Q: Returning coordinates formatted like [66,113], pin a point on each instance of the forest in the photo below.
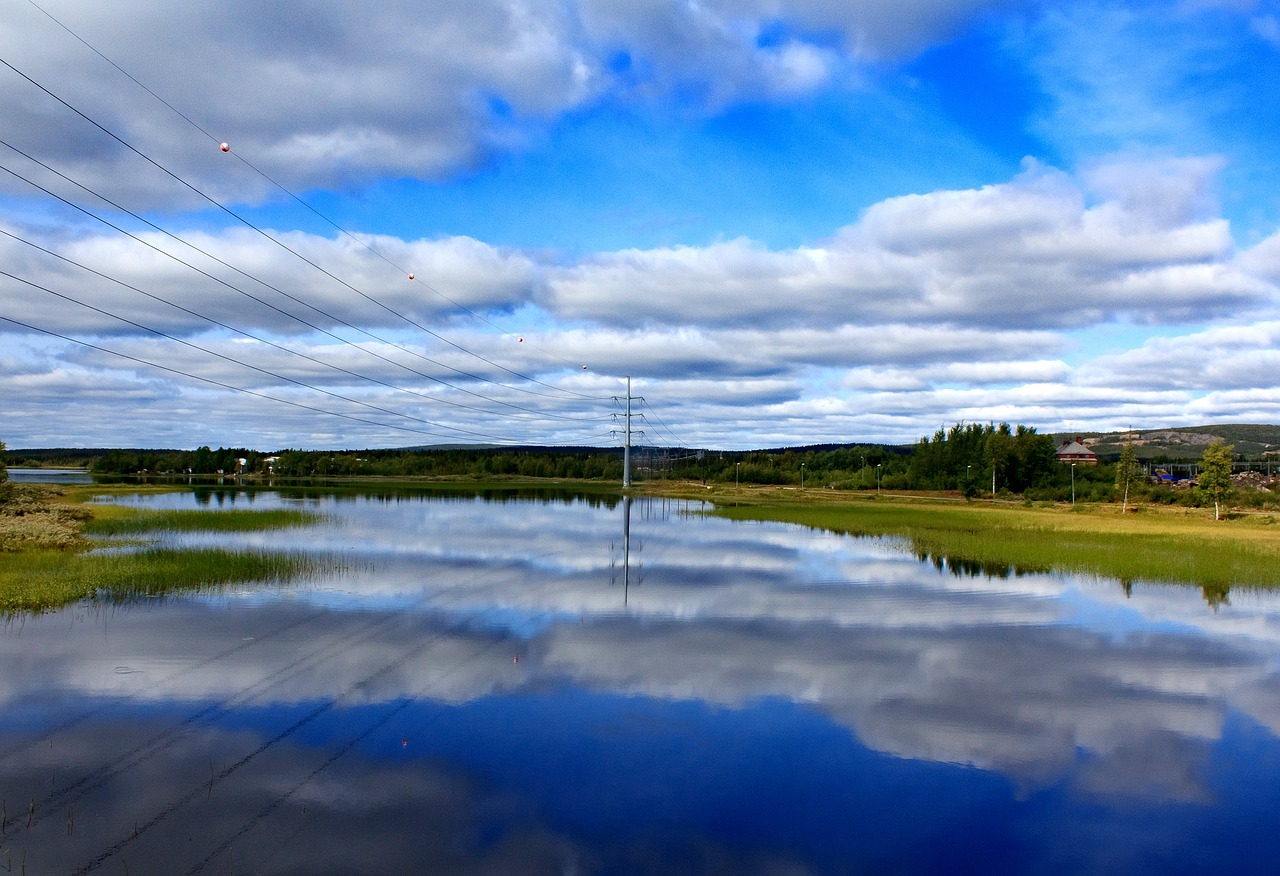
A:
[969,458]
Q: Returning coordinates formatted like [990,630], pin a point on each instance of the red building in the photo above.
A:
[1075,451]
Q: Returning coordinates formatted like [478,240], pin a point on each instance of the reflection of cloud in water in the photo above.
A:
[299,809]
[1038,677]
[1024,703]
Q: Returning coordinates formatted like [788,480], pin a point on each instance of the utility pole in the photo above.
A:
[626,447]
[626,433]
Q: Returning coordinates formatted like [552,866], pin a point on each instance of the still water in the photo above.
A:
[514,684]
[50,475]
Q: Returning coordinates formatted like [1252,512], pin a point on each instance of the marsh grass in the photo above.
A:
[46,559]
[1156,547]
[116,520]
[42,580]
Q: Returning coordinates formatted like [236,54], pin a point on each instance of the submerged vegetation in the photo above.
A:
[47,556]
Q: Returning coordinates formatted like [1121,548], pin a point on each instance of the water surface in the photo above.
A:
[502,684]
[50,475]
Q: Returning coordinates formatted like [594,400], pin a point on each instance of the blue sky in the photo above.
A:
[788,222]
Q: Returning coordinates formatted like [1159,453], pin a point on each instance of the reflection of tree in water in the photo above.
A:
[1216,594]
[962,567]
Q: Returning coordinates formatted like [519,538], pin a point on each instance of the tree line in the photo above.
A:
[971,458]
[583,464]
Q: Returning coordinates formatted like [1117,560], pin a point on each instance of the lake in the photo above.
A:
[50,475]
[565,684]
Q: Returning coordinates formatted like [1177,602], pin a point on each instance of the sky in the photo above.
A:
[786,222]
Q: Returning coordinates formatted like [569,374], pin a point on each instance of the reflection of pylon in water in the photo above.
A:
[626,552]
[626,537]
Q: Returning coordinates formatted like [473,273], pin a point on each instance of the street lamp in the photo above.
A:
[736,467]
[1073,484]
[877,478]
[802,475]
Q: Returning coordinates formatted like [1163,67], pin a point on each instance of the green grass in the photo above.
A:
[1155,546]
[115,520]
[46,560]
[43,580]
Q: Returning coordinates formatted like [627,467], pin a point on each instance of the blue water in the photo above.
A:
[503,685]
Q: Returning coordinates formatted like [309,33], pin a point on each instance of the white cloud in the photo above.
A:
[966,304]
[1027,254]
[1224,358]
[317,96]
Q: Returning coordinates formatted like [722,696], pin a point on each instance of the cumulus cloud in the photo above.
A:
[1223,358]
[1028,254]
[1032,253]
[315,94]
[320,97]
[978,299]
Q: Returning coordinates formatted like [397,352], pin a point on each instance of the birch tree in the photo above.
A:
[1128,473]
[1215,474]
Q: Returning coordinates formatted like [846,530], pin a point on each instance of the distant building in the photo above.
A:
[1075,451]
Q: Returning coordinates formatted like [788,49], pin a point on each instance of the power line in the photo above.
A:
[218,383]
[233,360]
[679,443]
[300,256]
[247,223]
[261,340]
[304,203]
[251,296]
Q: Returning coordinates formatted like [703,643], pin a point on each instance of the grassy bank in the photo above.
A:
[46,557]
[1155,544]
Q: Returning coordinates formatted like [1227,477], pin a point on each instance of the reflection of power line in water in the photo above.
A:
[649,509]
[325,707]
[459,587]
[49,734]
[139,754]
[266,811]
[68,795]
[456,591]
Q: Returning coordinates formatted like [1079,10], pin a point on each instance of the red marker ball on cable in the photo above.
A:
[411,276]
[225,147]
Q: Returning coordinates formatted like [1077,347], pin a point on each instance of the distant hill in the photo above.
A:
[1183,442]
[1175,443]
